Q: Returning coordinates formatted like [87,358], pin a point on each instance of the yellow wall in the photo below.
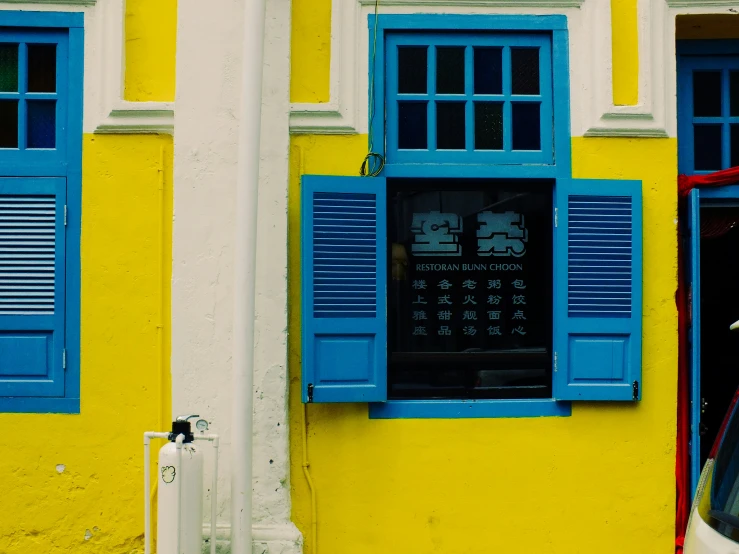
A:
[125,385]
[625,52]
[601,481]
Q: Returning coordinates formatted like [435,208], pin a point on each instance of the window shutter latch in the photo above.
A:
[65,215]
[556,217]
[635,389]
[310,392]
[64,359]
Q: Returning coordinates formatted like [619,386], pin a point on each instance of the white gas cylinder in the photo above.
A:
[180,476]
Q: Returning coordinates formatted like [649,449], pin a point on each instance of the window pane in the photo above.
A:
[734,145]
[525,70]
[488,126]
[450,70]
[412,69]
[734,82]
[707,93]
[412,125]
[526,126]
[707,147]
[9,127]
[470,315]
[450,126]
[41,67]
[488,71]
[8,67]
[41,123]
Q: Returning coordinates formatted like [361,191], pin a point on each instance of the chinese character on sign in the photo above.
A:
[419,285]
[469,284]
[469,314]
[494,331]
[469,331]
[420,300]
[444,331]
[469,299]
[493,315]
[518,283]
[494,300]
[494,284]
[418,316]
[445,315]
[519,299]
[446,299]
[444,285]
[419,331]
[436,234]
[519,315]
[519,330]
[501,234]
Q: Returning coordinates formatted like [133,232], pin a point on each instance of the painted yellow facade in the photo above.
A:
[602,480]
[73,483]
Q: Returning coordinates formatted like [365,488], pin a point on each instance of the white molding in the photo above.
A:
[591,60]
[105,110]
[53,2]
[116,115]
[278,539]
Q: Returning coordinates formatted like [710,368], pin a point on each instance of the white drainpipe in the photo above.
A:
[245,261]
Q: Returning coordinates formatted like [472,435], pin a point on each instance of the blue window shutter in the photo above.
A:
[598,290]
[32,262]
[344,274]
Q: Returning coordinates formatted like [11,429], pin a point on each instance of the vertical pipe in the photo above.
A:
[214,498]
[245,252]
[178,444]
[147,500]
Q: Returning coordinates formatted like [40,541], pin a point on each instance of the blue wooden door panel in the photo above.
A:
[694,275]
[598,290]
[343,271]
[32,286]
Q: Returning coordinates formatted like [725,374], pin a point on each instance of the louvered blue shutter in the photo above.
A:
[598,290]
[344,261]
[32,287]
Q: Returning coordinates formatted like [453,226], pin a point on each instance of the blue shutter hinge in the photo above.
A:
[556,216]
[310,392]
[64,359]
[635,389]
[65,215]
[555,361]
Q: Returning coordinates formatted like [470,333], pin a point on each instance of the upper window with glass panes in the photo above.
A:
[464,98]
[33,93]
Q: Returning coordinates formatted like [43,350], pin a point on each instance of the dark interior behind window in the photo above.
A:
[470,289]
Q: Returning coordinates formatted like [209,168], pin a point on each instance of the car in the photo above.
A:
[713,527]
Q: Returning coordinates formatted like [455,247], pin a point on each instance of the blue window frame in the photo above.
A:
[469,98]
[708,106]
[428,61]
[41,66]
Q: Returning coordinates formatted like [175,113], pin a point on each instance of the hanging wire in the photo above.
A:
[373,162]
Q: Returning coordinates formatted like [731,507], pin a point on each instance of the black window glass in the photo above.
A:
[450,70]
[734,145]
[525,70]
[41,130]
[412,125]
[707,147]
[450,128]
[9,126]
[41,67]
[488,126]
[734,88]
[488,70]
[470,289]
[526,126]
[8,68]
[707,93]
[412,69]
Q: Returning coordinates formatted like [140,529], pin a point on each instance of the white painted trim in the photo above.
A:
[105,110]
[591,62]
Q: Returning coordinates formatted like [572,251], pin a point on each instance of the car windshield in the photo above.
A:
[725,486]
